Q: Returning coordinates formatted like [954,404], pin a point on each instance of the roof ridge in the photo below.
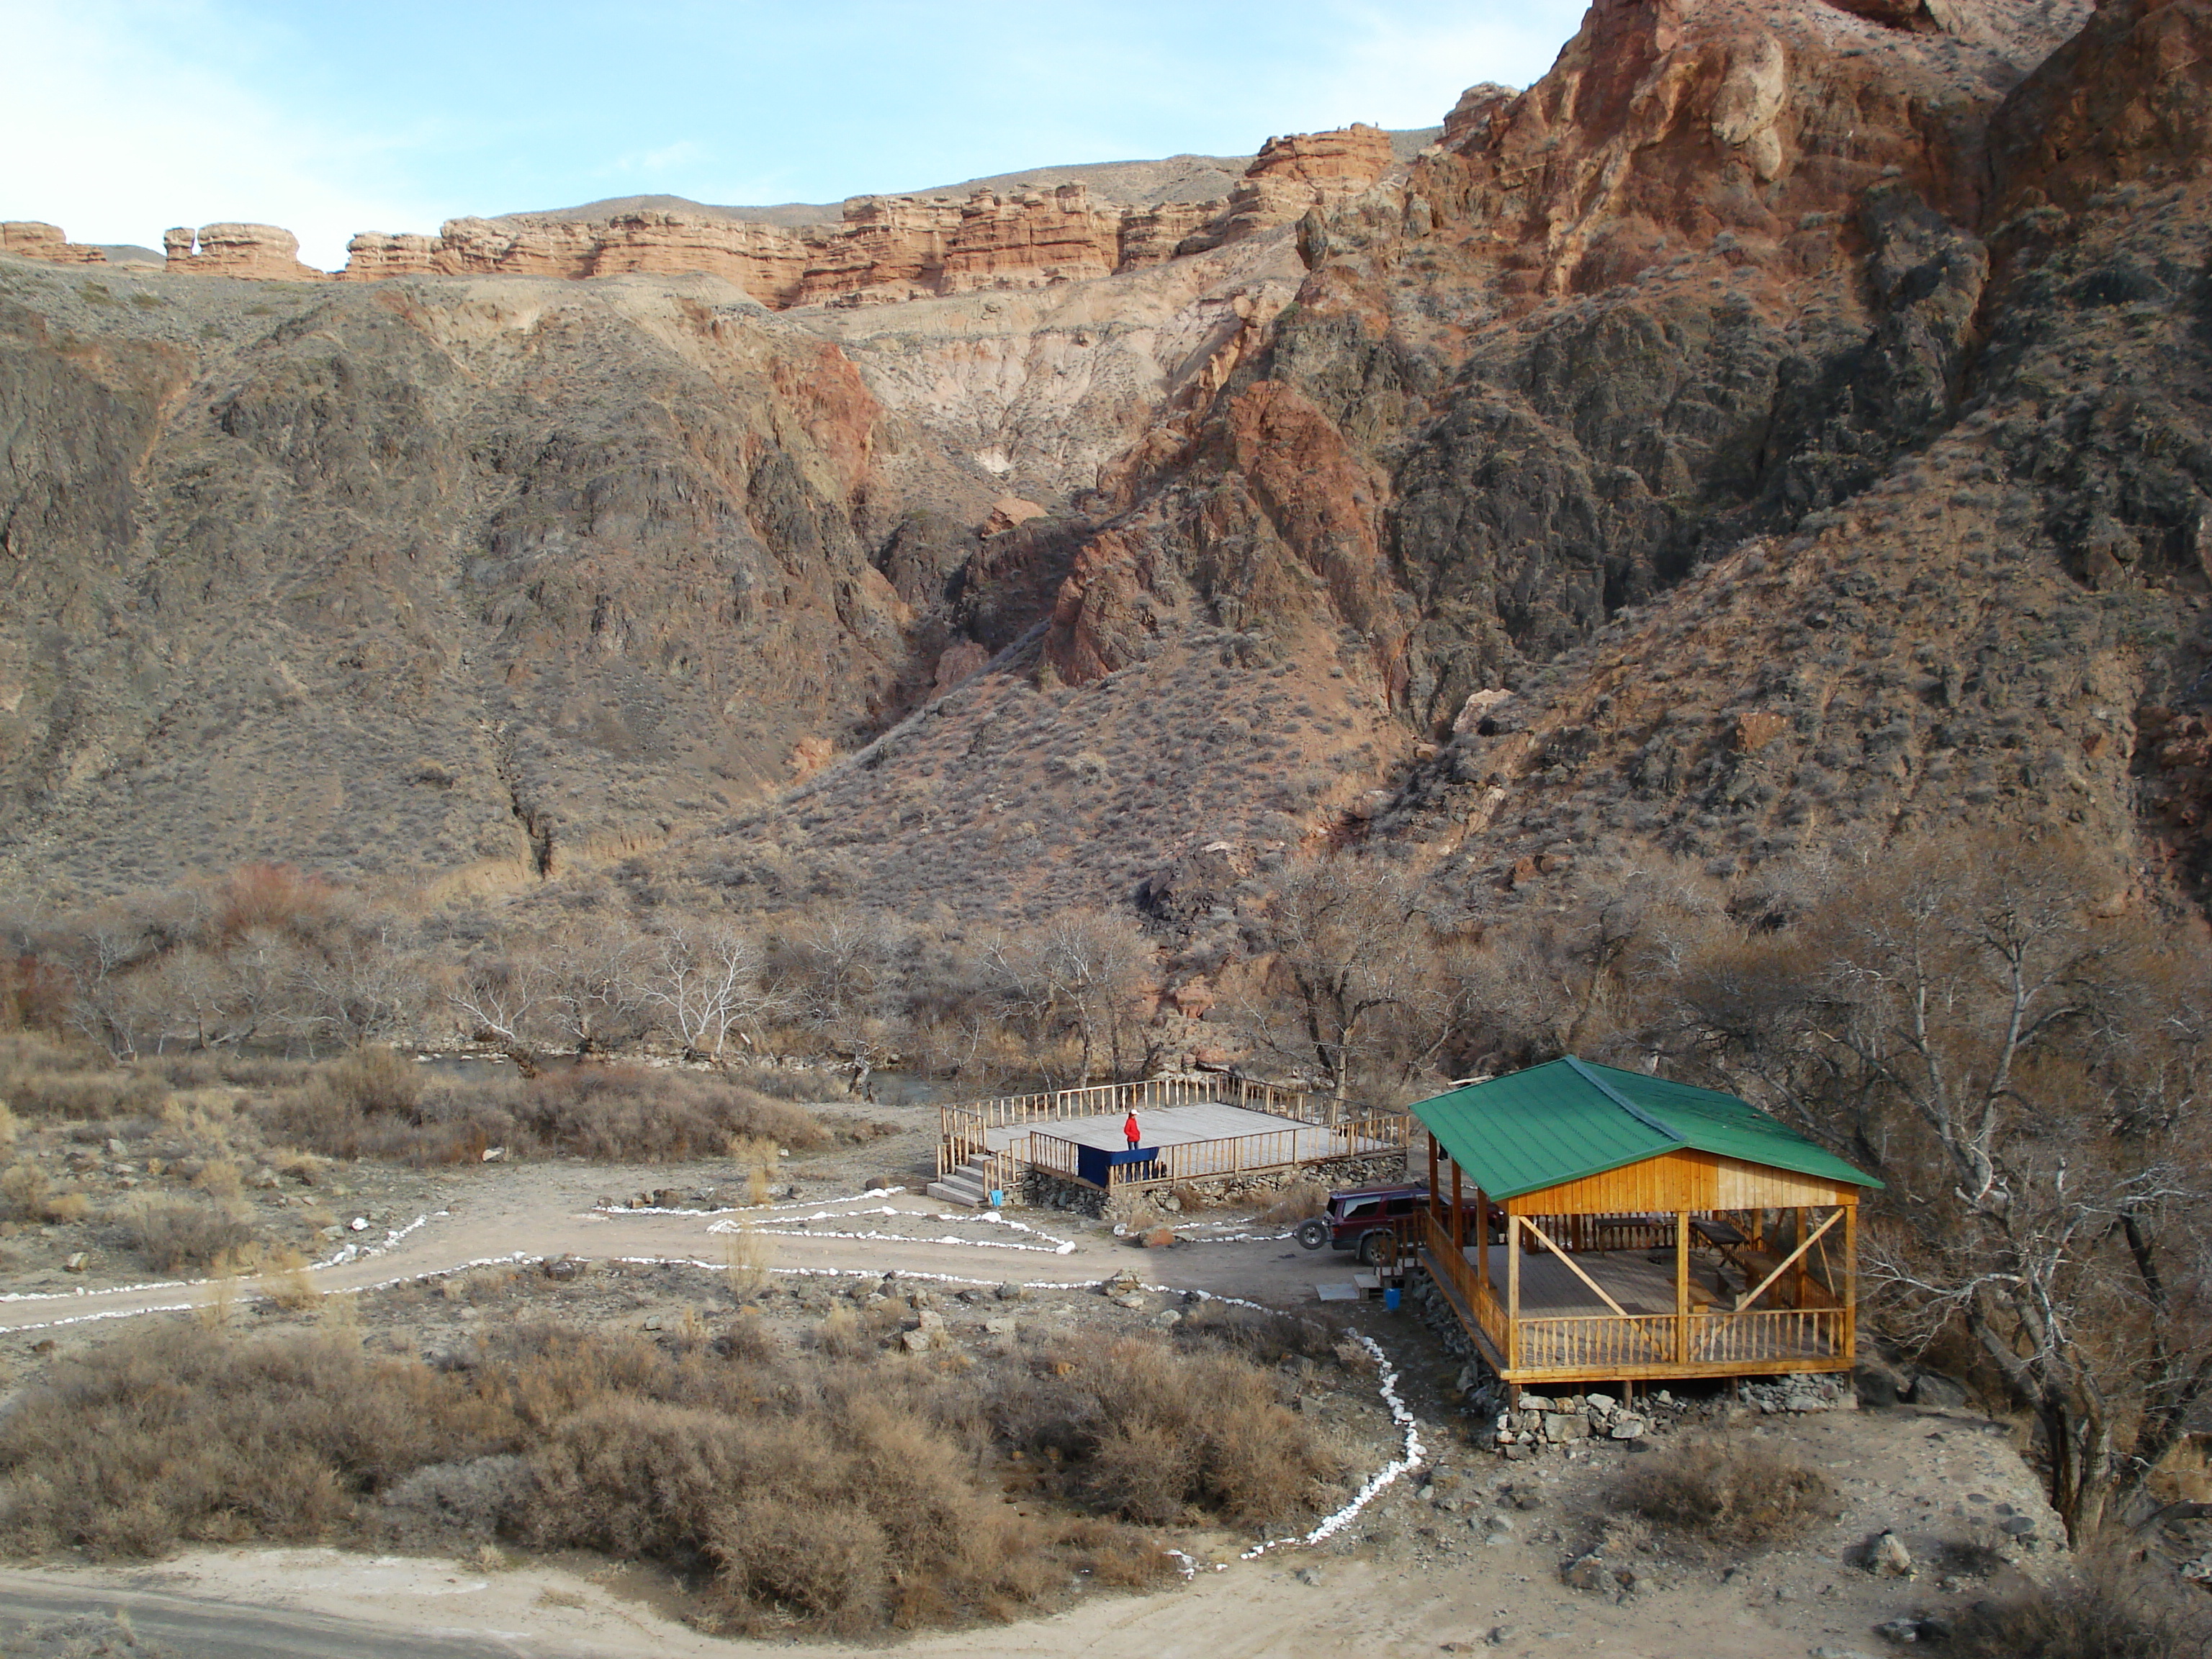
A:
[1584,1070]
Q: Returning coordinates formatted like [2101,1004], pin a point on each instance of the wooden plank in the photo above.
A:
[1544,1239]
[1804,1244]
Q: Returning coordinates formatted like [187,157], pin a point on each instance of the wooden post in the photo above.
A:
[1433,1209]
[1512,1290]
[1459,1226]
[1482,1238]
[1851,1285]
[1804,1224]
[1682,1287]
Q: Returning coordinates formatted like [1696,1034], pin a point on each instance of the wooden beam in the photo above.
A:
[1512,1288]
[1851,1286]
[1482,1239]
[1458,1215]
[1432,1174]
[1794,1259]
[1544,1239]
[1682,1287]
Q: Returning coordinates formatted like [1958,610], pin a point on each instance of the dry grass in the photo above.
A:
[849,1496]
[749,1254]
[27,1188]
[176,1235]
[376,1105]
[1298,1202]
[1735,1493]
[2112,1610]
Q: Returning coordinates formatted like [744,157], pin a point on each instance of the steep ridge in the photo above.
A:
[1778,427]
[1663,456]
[493,578]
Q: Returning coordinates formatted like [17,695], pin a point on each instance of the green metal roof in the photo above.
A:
[1567,1119]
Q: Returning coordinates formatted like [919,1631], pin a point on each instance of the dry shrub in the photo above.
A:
[1732,1493]
[630,1114]
[749,1254]
[26,1187]
[177,1432]
[849,1498]
[219,1179]
[1299,1202]
[2112,1610]
[1168,1431]
[840,1335]
[8,1125]
[176,1234]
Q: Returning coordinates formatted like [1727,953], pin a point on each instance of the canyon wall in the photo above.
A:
[887,249]
[28,239]
[257,252]
[893,248]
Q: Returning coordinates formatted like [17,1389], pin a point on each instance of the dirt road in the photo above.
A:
[549,1211]
[1406,1579]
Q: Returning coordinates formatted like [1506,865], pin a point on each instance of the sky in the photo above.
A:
[124,117]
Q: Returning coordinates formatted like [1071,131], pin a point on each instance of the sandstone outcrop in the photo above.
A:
[887,249]
[253,252]
[28,239]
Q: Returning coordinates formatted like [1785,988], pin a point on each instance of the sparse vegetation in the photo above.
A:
[848,1494]
[1734,1493]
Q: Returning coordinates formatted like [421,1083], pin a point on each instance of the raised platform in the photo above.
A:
[1171,1125]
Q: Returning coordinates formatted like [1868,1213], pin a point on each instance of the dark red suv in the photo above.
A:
[1361,1218]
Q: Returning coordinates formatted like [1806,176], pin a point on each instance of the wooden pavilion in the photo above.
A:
[1586,1223]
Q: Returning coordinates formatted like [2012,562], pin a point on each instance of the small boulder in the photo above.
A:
[1589,1574]
[77,1262]
[1887,1558]
[1931,1390]
[1626,1427]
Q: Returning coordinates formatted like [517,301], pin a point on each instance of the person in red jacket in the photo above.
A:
[1129,1128]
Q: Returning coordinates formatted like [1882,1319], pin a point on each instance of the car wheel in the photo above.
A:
[1312,1234]
[1370,1246]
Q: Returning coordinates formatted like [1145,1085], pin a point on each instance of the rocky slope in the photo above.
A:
[1781,424]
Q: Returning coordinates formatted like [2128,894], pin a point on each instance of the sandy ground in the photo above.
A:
[1409,1575]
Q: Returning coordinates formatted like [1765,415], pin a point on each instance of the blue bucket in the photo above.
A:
[1390,1298]
[998,1199]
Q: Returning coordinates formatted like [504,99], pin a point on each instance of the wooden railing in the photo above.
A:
[1230,1155]
[1604,1342]
[1488,1311]
[1638,1345]
[1578,1233]
[1767,1333]
[964,1130]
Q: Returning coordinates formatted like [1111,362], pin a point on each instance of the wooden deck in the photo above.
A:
[1203,1127]
[1566,1332]
[1166,1126]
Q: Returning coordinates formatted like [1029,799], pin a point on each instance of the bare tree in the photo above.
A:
[2026,1074]
[706,979]
[1354,973]
[505,998]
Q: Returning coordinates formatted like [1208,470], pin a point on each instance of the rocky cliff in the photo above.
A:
[28,239]
[902,247]
[1778,427]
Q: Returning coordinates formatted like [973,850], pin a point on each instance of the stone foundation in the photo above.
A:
[1047,1191]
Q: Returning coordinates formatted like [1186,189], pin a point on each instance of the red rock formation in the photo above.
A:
[1667,121]
[1358,156]
[258,252]
[1293,174]
[28,239]
[2128,99]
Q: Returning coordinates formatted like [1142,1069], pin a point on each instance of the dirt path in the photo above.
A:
[548,1212]
[1406,1579]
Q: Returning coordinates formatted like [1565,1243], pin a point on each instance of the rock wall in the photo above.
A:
[887,249]
[28,239]
[256,253]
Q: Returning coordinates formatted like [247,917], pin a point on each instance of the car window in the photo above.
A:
[1365,1206]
